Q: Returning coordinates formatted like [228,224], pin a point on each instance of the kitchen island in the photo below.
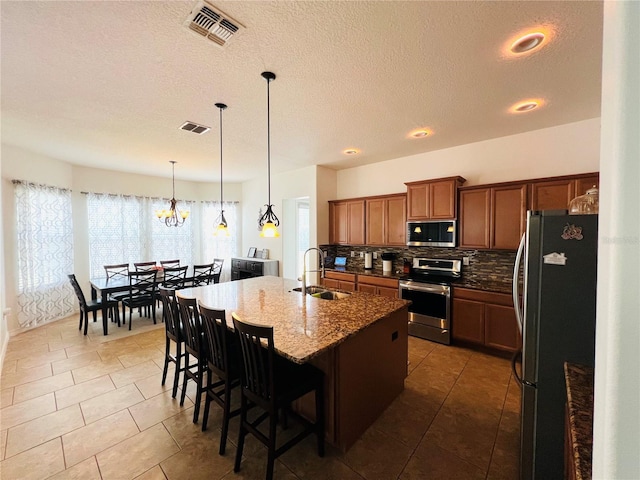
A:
[360,342]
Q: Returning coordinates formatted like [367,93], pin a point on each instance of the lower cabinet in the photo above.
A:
[340,280]
[242,268]
[387,287]
[485,318]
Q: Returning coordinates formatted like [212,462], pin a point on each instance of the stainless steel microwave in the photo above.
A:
[432,233]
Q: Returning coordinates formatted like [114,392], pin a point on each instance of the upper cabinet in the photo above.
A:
[492,217]
[346,220]
[386,220]
[556,193]
[433,199]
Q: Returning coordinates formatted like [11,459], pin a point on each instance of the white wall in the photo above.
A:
[21,164]
[616,423]
[562,150]
[293,184]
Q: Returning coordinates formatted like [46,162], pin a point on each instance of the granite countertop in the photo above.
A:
[304,326]
[579,381]
[489,285]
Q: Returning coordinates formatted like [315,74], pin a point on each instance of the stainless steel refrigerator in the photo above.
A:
[558,325]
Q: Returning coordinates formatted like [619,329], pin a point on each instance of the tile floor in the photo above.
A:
[76,407]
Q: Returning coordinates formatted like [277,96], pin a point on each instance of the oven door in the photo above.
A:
[429,312]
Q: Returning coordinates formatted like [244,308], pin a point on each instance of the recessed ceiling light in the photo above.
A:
[527,43]
[526,106]
[420,133]
[351,151]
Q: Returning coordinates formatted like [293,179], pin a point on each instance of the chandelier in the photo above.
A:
[269,222]
[221,229]
[172,217]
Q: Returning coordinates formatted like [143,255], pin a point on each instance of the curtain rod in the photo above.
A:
[43,185]
[155,198]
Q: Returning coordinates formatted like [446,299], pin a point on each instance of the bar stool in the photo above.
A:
[173,333]
[223,360]
[272,383]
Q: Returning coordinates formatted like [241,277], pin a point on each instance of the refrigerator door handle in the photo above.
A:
[516,284]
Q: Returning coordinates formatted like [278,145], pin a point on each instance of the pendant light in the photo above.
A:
[172,217]
[269,222]
[221,229]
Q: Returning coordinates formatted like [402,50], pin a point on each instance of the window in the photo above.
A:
[45,253]
[123,228]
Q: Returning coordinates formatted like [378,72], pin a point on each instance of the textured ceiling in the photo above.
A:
[107,84]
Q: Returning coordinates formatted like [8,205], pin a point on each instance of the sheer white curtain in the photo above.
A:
[124,229]
[220,246]
[45,253]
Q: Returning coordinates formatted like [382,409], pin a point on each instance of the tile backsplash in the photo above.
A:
[493,265]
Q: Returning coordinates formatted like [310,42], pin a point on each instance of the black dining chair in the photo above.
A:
[121,270]
[217,269]
[173,333]
[271,383]
[174,277]
[92,306]
[142,293]
[195,358]
[223,361]
[202,274]
[170,263]
[144,266]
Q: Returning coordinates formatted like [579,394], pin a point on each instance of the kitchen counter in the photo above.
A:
[579,383]
[337,336]
[475,283]
[304,326]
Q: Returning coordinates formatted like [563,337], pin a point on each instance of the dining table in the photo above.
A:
[104,287]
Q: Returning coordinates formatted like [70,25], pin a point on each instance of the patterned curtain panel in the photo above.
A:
[124,229]
[45,253]
[220,247]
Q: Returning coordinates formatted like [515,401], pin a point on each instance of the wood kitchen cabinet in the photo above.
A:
[386,219]
[339,280]
[433,199]
[492,217]
[485,318]
[556,193]
[387,287]
[347,221]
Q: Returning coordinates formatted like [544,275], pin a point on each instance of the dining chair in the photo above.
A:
[217,269]
[202,274]
[223,361]
[120,270]
[195,357]
[170,263]
[173,333]
[144,266]
[114,271]
[174,277]
[142,293]
[91,306]
[271,383]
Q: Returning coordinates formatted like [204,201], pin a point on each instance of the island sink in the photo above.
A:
[323,293]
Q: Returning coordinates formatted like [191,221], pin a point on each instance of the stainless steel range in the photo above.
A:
[429,289]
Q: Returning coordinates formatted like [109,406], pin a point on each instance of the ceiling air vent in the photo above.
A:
[194,128]
[211,23]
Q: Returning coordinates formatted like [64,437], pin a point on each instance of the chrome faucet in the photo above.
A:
[304,268]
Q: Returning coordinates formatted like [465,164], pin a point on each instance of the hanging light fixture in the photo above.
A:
[172,217]
[269,222]
[221,228]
